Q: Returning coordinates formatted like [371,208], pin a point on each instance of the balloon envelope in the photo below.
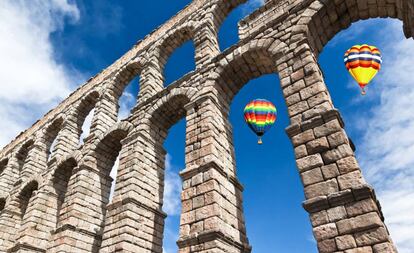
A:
[363,62]
[260,115]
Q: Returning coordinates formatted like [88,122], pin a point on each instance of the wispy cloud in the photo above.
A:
[251,5]
[172,189]
[32,80]
[172,205]
[126,103]
[386,154]
[113,174]
[355,31]
[257,2]
[86,127]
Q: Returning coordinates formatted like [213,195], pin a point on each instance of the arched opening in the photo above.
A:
[2,204]
[180,62]
[128,99]
[25,198]
[22,156]
[50,137]
[106,154]
[325,24]
[372,124]
[84,115]
[269,176]
[6,176]
[174,163]
[86,126]
[26,218]
[3,164]
[228,21]
[266,171]
[84,189]
[380,123]
[126,90]
[113,174]
[168,133]
[141,176]
[61,179]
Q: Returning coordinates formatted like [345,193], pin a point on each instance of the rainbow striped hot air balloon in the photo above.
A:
[363,63]
[260,115]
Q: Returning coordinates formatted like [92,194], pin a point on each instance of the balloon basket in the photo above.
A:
[260,142]
[363,92]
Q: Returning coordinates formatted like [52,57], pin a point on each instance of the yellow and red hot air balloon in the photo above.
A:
[363,63]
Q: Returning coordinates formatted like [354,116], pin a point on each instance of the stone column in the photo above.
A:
[22,214]
[106,114]
[36,224]
[135,220]
[408,18]
[151,81]
[205,42]
[67,139]
[35,162]
[212,213]
[7,175]
[9,222]
[80,223]
[344,211]
[10,216]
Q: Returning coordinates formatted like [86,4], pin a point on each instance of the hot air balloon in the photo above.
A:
[260,115]
[363,63]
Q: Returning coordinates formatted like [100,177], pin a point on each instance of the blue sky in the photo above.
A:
[61,43]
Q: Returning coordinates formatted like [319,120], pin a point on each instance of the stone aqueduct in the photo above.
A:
[59,202]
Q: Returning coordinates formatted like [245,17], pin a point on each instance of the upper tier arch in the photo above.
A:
[163,49]
[322,20]
[256,58]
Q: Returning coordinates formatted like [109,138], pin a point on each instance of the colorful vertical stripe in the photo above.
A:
[260,115]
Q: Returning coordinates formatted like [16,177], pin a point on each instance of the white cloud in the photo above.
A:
[354,32]
[257,2]
[252,5]
[172,189]
[31,80]
[387,152]
[113,174]
[86,127]
[126,103]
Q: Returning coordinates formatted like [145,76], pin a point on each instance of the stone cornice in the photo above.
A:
[320,203]
[319,120]
[25,247]
[129,200]
[70,227]
[188,173]
[211,235]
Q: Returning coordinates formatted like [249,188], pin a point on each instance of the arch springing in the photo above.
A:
[128,99]
[2,204]
[165,49]
[50,136]
[26,196]
[125,89]
[84,111]
[3,164]
[60,181]
[22,155]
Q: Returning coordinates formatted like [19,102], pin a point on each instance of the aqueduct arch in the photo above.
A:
[283,37]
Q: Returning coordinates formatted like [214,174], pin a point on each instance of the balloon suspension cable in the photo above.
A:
[363,92]
[260,142]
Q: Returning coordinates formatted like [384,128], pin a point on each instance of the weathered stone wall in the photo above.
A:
[59,202]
